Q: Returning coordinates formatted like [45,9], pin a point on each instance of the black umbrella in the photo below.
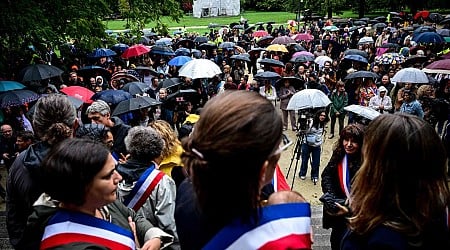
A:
[238,27]
[135,104]
[186,43]
[444,21]
[410,61]
[233,24]
[256,50]
[293,81]
[302,59]
[295,47]
[135,88]
[111,96]
[227,45]
[379,26]
[213,25]
[267,75]
[93,70]
[181,94]
[265,41]
[201,39]
[359,22]
[182,52]
[37,72]
[170,82]
[380,18]
[390,45]
[240,58]
[361,74]
[141,69]
[207,46]
[271,62]
[17,97]
[356,52]
[162,50]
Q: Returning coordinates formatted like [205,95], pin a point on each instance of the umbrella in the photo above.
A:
[186,43]
[182,93]
[361,74]
[112,96]
[135,50]
[256,50]
[293,81]
[79,92]
[75,102]
[165,41]
[438,67]
[295,47]
[10,85]
[410,75]
[282,40]
[201,39]
[182,52]
[302,37]
[277,47]
[421,14]
[196,53]
[37,72]
[179,60]
[93,70]
[410,61]
[227,45]
[199,68]
[162,50]
[444,21]
[390,58]
[119,47]
[271,62]
[422,29]
[322,59]
[17,97]
[266,75]
[240,58]
[380,19]
[356,52]
[390,45]
[331,28]
[379,26]
[207,46]
[170,82]
[135,103]
[308,98]
[102,52]
[356,58]
[260,33]
[366,39]
[435,17]
[428,37]
[302,53]
[121,75]
[443,32]
[264,41]
[363,111]
[302,59]
[141,69]
[135,88]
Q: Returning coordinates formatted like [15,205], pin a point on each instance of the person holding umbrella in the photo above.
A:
[285,93]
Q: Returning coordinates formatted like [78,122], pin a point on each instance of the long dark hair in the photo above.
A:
[316,120]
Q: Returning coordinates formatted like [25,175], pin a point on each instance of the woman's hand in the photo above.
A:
[152,244]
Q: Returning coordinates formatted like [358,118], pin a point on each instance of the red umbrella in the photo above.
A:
[422,14]
[135,50]
[260,33]
[79,92]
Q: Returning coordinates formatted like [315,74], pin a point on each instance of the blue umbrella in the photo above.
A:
[428,37]
[357,58]
[179,60]
[102,52]
[10,85]
[112,96]
[120,47]
[182,52]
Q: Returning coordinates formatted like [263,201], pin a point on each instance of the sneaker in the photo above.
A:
[331,136]
[302,177]
[315,180]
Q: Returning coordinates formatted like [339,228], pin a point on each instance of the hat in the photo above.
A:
[382,89]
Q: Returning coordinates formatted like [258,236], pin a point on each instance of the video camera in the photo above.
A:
[305,119]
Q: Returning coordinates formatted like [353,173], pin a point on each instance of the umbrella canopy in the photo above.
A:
[135,88]
[356,52]
[361,74]
[182,52]
[260,33]
[302,59]
[17,97]
[322,59]
[271,62]
[295,47]
[421,14]
[443,32]
[112,96]
[38,72]
[207,46]
[201,39]
[410,75]
[124,76]
[142,69]
[170,82]
[264,41]
[331,28]
[135,50]
[227,45]
[10,85]
[199,68]
[135,103]
[390,45]
[240,58]
[308,98]
[363,111]
[183,93]
[186,43]
[282,40]
[390,58]
[302,53]
[422,29]
[165,41]
[102,52]
[277,48]
[119,47]
[179,60]
[302,37]
[365,40]
[93,70]
[79,92]
[438,67]
[162,50]
[356,58]
[429,37]
[267,75]
[410,61]
[379,26]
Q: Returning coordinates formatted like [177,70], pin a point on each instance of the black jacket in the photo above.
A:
[119,131]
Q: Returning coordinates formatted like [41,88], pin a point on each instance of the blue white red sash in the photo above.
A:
[67,227]
[281,226]
[279,181]
[143,188]
[115,156]
[344,176]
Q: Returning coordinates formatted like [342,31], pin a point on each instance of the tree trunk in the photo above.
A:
[361,10]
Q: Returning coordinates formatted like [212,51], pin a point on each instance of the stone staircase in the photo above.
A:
[321,236]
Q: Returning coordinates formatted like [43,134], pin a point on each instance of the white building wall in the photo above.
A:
[209,8]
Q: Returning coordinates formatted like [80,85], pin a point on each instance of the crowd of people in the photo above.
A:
[160,177]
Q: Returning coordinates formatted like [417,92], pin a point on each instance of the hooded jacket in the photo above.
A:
[377,100]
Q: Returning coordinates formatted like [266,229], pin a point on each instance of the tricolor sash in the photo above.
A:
[143,188]
[279,181]
[68,227]
[281,226]
[344,176]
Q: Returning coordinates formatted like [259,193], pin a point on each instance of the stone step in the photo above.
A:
[4,239]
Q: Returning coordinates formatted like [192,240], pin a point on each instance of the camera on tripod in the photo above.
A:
[305,119]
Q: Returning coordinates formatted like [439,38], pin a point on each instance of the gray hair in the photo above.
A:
[99,106]
[54,118]
[144,144]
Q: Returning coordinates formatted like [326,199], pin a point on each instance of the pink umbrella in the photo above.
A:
[304,53]
[283,40]
[260,33]
[302,37]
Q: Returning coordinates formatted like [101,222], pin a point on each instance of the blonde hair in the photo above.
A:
[168,135]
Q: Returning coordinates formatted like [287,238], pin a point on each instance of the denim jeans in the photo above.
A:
[315,155]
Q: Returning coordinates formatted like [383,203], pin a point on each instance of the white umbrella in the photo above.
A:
[199,68]
[363,111]
[410,75]
[366,39]
[322,59]
[308,98]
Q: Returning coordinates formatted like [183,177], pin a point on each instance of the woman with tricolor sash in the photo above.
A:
[231,155]
[80,210]
[336,181]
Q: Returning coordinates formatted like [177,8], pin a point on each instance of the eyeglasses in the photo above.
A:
[285,143]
